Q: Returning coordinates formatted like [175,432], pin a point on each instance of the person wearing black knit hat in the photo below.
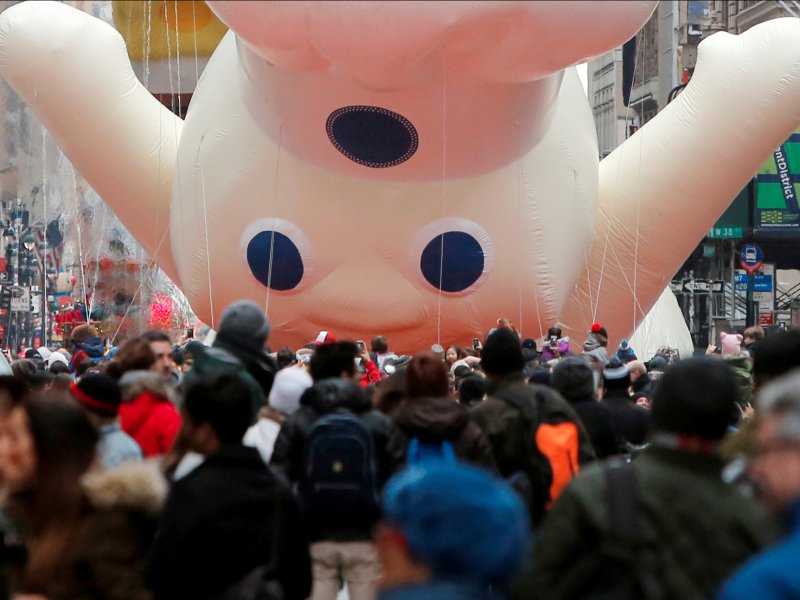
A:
[674,496]
[631,421]
[681,407]
[100,397]
[506,412]
[502,354]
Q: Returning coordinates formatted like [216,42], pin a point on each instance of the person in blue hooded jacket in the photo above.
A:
[775,468]
[450,531]
[87,345]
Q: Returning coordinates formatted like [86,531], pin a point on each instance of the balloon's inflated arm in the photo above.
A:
[74,71]
[664,187]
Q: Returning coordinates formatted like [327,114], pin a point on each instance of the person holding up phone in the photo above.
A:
[371,373]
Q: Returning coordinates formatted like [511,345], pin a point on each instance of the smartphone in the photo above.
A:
[476,343]
[361,347]
[190,332]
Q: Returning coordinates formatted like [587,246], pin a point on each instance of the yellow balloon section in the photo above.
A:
[160,30]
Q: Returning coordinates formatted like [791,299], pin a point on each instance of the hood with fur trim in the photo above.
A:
[137,487]
[740,360]
[134,383]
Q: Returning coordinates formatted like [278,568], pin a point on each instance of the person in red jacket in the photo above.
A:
[148,412]
[371,373]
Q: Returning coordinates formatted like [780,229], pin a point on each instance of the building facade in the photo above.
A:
[666,55]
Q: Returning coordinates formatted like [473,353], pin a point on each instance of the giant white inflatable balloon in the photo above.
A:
[405,168]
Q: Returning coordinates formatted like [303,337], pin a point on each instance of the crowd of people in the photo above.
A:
[509,468]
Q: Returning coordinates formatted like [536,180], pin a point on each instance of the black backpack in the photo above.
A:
[340,472]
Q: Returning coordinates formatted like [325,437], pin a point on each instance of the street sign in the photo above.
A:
[698,286]
[763,297]
[691,286]
[726,233]
[762,282]
[751,257]
[20,299]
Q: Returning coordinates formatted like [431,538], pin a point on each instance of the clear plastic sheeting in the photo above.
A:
[89,259]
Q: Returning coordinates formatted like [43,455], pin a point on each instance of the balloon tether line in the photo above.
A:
[442,200]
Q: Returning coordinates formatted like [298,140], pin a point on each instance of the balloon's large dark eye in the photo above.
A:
[372,136]
[286,270]
[452,261]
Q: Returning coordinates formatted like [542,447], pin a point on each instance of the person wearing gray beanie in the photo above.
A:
[243,332]
[244,323]
[574,379]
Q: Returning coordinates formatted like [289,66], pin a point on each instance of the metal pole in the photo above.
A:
[45,307]
[750,317]
[733,280]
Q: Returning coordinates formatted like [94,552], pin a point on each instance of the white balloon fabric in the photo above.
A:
[664,325]
[411,169]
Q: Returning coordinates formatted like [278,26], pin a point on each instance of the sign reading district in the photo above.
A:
[778,187]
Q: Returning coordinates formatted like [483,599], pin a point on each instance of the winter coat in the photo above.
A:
[742,366]
[695,531]
[226,518]
[440,590]
[631,422]
[371,374]
[439,419]
[263,434]
[147,413]
[290,449]
[215,361]
[563,350]
[773,574]
[596,418]
[503,425]
[643,386]
[90,349]
[751,348]
[596,355]
[519,459]
[258,363]
[116,447]
[106,554]
[594,351]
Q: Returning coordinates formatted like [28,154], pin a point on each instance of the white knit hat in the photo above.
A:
[289,385]
[55,357]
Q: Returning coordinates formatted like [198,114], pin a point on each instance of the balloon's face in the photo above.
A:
[422,262]
[421,201]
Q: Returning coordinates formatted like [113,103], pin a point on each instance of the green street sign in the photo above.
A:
[726,232]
